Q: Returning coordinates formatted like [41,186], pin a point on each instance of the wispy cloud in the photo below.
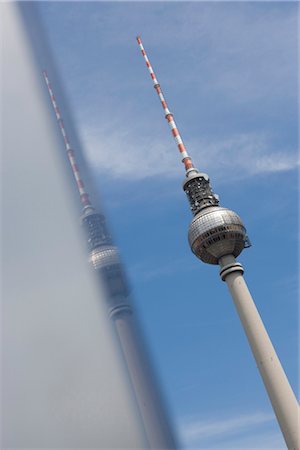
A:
[246,154]
[198,429]
[241,431]
[147,272]
[126,153]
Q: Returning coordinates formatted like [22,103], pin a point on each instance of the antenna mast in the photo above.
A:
[84,197]
[186,159]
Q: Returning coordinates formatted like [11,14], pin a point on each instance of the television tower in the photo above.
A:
[104,258]
[216,236]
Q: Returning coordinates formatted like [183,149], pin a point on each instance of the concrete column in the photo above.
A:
[277,385]
[154,416]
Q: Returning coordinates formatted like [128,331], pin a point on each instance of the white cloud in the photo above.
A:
[246,154]
[129,154]
[247,431]
[203,429]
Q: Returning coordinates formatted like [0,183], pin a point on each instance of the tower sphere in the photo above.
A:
[215,232]
[104,256]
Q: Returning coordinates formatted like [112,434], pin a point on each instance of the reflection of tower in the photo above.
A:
[104,258]
[216,236]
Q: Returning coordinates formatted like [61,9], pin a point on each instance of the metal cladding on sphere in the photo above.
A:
[215,232]
[104,257]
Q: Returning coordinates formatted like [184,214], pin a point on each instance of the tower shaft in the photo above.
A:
[216,236]
[283,400]
[152,410]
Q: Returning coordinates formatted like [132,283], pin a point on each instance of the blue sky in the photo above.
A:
[229,74]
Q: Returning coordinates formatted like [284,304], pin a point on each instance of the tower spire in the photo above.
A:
[84,197]
[186,159]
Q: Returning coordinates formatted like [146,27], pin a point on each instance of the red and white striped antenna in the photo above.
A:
[84,197]
[186,159]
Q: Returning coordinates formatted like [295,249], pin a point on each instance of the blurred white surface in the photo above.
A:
[62,382]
